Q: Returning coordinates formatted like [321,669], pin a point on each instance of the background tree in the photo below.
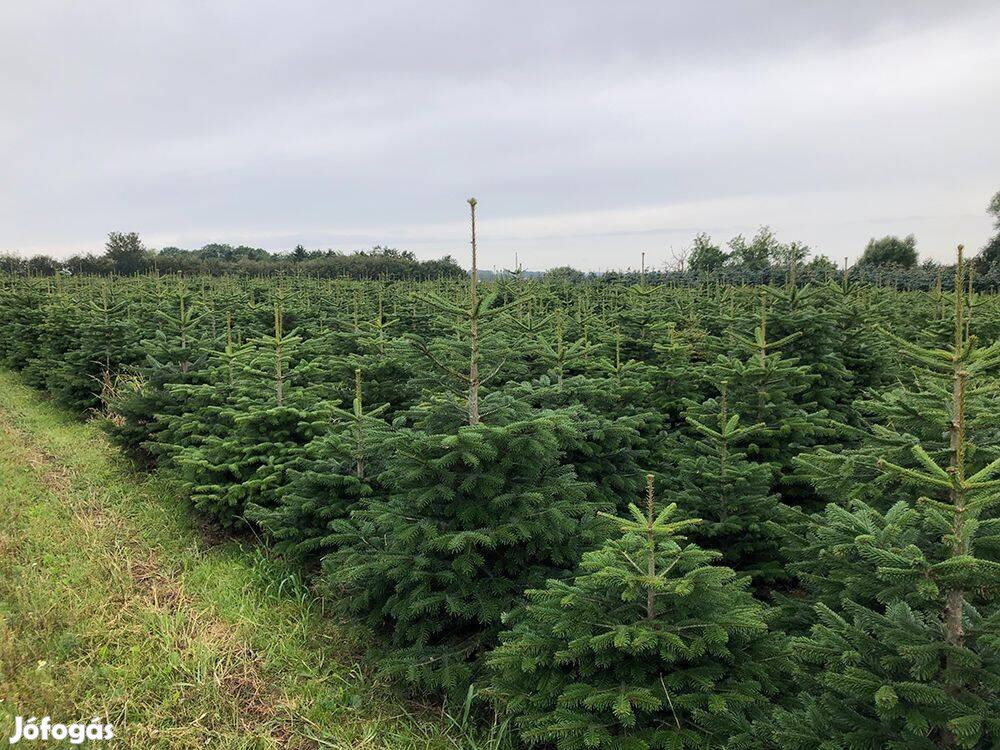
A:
[126,252]
[706,256]
[11,264]
[990,254]
[891,251]
[821,267]
[564,274]
[42,265]
[756,255]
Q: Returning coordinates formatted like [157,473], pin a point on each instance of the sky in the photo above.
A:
[590,132]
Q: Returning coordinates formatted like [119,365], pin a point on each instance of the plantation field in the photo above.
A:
[561,515]
[113,604]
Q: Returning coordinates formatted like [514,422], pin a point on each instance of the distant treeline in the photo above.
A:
[925,277]
[125,255]
[762,259]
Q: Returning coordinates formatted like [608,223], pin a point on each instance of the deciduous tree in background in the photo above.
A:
[891,251]
[706,257]
[127,252]
[990,254]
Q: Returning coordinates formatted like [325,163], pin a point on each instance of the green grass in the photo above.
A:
[114,604]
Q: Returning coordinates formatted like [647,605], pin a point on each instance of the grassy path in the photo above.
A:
[112,604]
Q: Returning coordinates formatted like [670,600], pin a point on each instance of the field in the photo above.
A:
[301,512]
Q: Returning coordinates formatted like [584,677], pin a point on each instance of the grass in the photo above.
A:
[114,604]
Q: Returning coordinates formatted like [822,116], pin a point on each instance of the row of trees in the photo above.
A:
[126,255]
[764,250]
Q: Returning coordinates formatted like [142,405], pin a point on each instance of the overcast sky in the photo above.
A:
[589,131]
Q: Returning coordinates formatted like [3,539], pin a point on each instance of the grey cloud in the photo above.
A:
[589,130]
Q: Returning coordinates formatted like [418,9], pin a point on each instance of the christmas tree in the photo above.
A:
[328,479]
[141,400]
[713,480]
[905,654]
[467,522]
[649,644]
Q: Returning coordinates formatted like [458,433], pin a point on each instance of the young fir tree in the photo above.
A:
[675,378]
[917,663]
[649,644]
[560,355]
[810,313]
[328,479]
[56,335]
[911,412]
[254,414]
[366,338]
[141,405]
[466,522]
[607,453]
[108,342]
[713,480]
[22,311]
[631,386]
[768,389]
[871,364]
[530,329]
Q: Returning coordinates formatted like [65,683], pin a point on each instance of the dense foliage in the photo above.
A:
[125,254]
[462,466]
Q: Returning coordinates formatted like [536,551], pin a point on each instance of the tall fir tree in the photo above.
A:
[467,521]
[913,661]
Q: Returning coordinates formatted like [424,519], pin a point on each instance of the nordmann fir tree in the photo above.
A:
[56,334]
[906,412]
[21,309]
[326,481]
[649,644]
[366,338]
[612,442]
[560,355]
[141,401]
[610,406]
[633,385]
[712,479]
[107,344]
[918,667]
[767,388]
[468,326]
[530,328]
[810,314]
[674,377]
[467,521]
[262,405]
[469,517]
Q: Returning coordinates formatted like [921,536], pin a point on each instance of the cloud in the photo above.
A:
[589,132]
